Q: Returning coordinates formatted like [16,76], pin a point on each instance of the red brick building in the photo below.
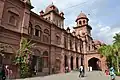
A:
[56,47]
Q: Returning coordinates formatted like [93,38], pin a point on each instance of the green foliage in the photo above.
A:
[24,70]
[112,52]
[22,57]
[117,73]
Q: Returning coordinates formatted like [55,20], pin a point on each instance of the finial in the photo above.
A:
[52,2]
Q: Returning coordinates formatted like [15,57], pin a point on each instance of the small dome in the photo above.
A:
[49,8]
[97,42]
[81,15]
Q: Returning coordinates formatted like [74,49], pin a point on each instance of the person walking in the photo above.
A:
[81,71]
[112,73]
[2,73]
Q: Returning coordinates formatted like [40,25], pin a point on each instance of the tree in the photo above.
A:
[116,47]
[112,52]
[107,51]
[22,57]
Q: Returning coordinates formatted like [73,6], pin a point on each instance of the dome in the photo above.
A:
[49,8]
[81,15]
[97,42]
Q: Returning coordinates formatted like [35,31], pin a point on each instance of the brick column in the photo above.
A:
[62,64]
[85,63]
[79,61]
[74,62]
[1,9]
[69,62]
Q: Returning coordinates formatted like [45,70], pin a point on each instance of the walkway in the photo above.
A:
[95,75]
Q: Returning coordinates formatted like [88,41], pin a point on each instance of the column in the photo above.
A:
[1,9]
[85,63]
[79,61]
[69,62]
[68,42]
[74,45]
[62,64]
[25,21]
[74,62]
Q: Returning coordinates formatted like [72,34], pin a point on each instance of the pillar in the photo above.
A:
[69,65]
[25,21]
[85,63]
[62,64]
[2,2]
[79,61]
[74,62]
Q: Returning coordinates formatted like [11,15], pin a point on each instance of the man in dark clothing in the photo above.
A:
[81,71]
[2,73]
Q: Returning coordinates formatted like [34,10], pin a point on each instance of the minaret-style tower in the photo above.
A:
[52,14]
[82,25]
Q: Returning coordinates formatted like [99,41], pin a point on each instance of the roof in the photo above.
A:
[51,7]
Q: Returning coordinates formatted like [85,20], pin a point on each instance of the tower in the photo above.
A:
[52,14]
[82,25]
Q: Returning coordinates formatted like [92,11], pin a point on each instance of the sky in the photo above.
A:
[104,15]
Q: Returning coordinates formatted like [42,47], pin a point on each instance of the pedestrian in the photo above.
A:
[90,68]
[83,71]
[66,69]
[80,70]
[2,72]
[112,73]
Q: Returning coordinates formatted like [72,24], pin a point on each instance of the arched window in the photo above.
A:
[83,21]
[36,61]
[80,22]
[65,42]
[38,31]
[13,18]
[46,35]
[70,44]
[76,46]
[45,59]
[30,30]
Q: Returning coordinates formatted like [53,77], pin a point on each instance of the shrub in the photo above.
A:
[117,73]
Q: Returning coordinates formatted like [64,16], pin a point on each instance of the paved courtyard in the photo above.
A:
[95,75]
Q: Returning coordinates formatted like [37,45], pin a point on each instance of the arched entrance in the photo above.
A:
[77,66]
[65,61]
[71,62]
[94,63]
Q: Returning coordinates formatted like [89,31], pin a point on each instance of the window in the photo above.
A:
[65,42]
[76,46]
[38,31]
[30,30]
[58,40]
[49,18]
[13,18]
[45,59]
[45,38]
[83,21]
[80,22]
[46,35]
[70,44]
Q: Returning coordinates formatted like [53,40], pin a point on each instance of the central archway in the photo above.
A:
[94,63]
